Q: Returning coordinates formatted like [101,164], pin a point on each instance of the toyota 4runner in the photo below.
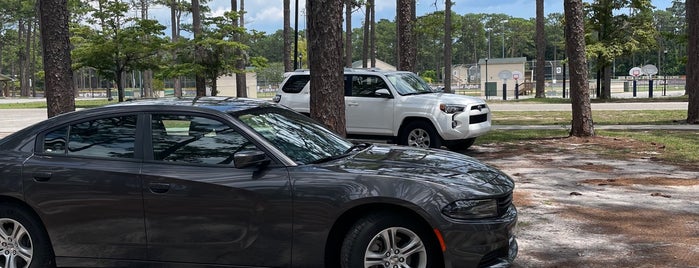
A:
[397,105]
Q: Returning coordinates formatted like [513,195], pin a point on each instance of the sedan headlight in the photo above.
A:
[472,209]
[451,108]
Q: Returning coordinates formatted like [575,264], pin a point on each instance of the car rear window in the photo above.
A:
[295,83]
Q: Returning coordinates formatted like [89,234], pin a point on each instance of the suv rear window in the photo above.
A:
[296,83]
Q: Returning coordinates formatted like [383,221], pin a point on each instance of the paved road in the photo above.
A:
[12,120]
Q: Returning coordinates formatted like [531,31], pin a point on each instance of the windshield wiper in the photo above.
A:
[358,146]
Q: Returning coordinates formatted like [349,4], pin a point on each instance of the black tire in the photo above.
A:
[367,236]
[461,145]
[23,240]
[420,134]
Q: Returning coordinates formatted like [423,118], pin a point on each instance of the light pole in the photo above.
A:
[664,73]
[489,30]
[486,78]
[503,36]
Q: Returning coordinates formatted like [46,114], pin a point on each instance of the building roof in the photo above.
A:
[504,60]
[379,64]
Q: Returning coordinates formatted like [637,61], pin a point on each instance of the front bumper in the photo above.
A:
[490,243]
[464,125]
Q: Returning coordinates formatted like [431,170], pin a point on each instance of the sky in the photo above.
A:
[268,15]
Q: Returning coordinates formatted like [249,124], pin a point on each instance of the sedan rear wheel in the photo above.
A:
[23,242]
[380,241]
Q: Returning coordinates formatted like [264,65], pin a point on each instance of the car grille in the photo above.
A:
[479,107]
[477,119]
[504,204]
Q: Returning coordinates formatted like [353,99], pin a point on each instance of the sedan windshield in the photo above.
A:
[408,84]
[299,137]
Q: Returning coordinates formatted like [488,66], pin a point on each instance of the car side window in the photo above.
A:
[195,140]
[367,85]
[113,137]
[296,83]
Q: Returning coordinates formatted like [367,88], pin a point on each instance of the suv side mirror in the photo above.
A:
[250,158]
[384,93]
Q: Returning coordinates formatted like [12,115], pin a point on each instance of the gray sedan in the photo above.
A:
[229,182]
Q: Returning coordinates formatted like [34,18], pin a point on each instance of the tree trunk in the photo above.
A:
[325,63]
[348,33]
[32,63]
[287,37]
[372,35]
[55,41]
[606,82]
[174,21]
[575,50]
[540,51]
[24,37]
[200,79]
[447,47]
[692,88]
[119,73]
[407,48]
[365,41]
[240,82]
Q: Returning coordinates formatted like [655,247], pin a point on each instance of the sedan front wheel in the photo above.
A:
[386,240]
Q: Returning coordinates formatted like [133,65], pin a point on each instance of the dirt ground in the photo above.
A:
[580,209]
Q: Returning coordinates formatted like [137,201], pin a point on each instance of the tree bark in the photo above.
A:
[540,51]
[200,79]
[447,47]
[407,48]
[240,75]
[287,37]
[55,41]
[372,35]
[175,38]
[582,125]
[365,41]
[23,31]
[692,88]
[348,33]
[325,63]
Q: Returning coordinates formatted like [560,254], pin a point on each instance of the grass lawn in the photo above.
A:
[678,147]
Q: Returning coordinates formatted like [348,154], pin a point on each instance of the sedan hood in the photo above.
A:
[455,172]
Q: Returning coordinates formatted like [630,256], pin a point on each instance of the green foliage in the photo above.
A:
[429,76]
[611,32]
[118,44]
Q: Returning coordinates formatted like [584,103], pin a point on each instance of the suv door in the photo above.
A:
[368,111]
[201,209]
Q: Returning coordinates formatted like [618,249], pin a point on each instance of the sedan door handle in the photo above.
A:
[159,188]
[42,176]
[352,104]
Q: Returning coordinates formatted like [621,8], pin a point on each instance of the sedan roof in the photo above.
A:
[223,104]
[218,104]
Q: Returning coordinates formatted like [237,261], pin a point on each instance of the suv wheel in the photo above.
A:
[420,134]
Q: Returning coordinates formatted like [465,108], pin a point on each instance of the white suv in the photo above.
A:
[399,106]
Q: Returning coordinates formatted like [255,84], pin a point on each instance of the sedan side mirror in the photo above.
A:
[250,158]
